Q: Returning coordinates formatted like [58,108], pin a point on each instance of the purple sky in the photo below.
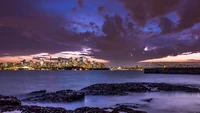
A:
[120,32]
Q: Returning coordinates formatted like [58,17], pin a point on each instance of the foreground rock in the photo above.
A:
[147,100]
[38,92]
[59,96]
[127,105]
[126,110]
[125,88]
[119,109]
[37,109]
[33,109]
[9,100]
[89,110]
[114,89]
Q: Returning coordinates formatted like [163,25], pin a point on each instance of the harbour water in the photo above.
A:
[19,83]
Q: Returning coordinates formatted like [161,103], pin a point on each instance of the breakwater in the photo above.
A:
[172,70]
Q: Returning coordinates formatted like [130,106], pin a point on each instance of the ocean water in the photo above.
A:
[19,83]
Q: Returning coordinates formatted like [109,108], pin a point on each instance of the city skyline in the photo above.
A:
[114,32]
[71,63]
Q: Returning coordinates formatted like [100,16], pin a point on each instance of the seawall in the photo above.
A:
[172,70]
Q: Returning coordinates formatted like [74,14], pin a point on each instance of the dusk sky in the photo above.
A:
[117,32]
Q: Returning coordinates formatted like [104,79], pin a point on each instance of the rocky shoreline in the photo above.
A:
[38,109]
[11,103]
[126,88]
[59,96]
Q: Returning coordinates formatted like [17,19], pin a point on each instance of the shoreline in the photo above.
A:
[191,70]
[104,89]
[51,68]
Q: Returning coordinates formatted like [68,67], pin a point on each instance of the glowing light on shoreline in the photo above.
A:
[184,57]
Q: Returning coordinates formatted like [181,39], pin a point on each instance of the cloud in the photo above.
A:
[165,25]
[192,57]
[74,9]
[136,30]
[189,14]
[142,10]
[15,43]
[101,9]
[80,3]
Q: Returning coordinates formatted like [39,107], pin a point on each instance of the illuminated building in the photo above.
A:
[70,62]
[41,62]
[90,65]
[59,59]
[94,64]
[23,62]
[102,65]
[31,63]
[81,62]
[75,62]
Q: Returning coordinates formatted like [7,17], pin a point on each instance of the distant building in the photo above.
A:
[102,65]
[75,62]
[70,62]
[23,62]
[31,63]
[41,62]
[81,63]
[94,64]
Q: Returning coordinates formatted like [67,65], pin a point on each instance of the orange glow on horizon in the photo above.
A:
[17,59]
[185,57]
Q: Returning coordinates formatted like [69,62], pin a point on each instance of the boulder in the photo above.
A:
[126,110]
[59,96]
[114,89]
[37,92]
[33,109]
[147,100]
[89,110]
[126,88]
[127,105]
[9,100]
[171,87]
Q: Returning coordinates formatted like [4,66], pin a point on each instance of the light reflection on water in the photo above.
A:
[23,82]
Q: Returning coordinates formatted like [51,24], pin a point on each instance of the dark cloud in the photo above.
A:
[15,8]
[137,7]
[189,14]
[101,9]
[117,46]
[92,23]
[74,9]
[165,25]
[146,9]
[14,42]
[80,3]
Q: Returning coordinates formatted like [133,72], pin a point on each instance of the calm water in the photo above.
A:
[22,82]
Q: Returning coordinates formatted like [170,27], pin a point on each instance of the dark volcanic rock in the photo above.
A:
[148,100]
[33,109]
[37,92]
[125,88]
[126,110]
[59,96]
[127,105]
[9,100]
[114,89]
[90,110]
[170,87]
[38,109]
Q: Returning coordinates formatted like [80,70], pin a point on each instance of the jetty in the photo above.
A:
[173,70]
